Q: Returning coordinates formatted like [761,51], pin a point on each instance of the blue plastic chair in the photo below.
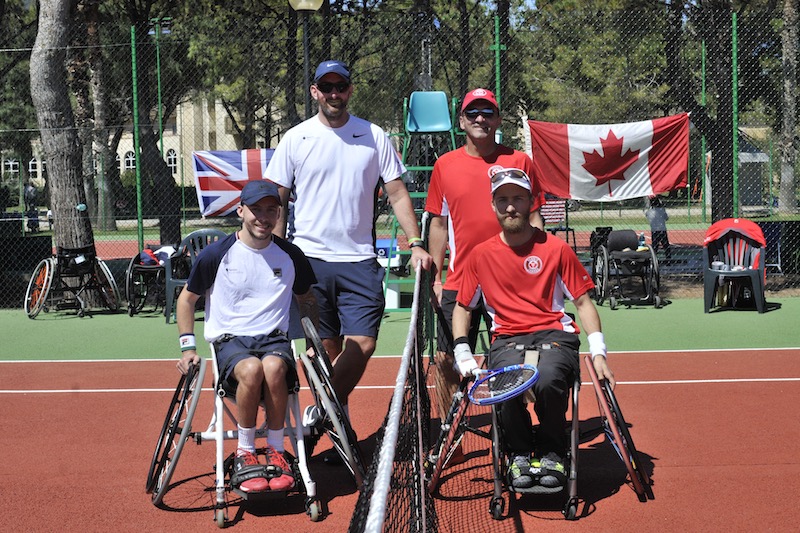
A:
[427,113]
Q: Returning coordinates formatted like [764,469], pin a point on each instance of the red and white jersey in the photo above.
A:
[524,288]
[460,189]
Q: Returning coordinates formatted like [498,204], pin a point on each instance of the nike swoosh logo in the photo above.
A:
[357,135]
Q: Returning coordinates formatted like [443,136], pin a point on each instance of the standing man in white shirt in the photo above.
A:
[334,163]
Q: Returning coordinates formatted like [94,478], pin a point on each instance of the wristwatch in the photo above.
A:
[416,243]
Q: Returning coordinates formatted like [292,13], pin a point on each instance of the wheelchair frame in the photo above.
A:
[177,430]
[455,426]
[61,282]
[609,273]
[143,281]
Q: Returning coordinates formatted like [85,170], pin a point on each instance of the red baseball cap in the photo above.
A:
[479,94]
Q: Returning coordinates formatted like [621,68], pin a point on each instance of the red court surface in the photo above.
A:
[718,431]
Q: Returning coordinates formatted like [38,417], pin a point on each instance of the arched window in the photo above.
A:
[130,161]
[33,167]
[172,160]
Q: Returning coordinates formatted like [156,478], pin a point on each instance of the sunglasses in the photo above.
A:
[511,173]
[327,87]
[473,114]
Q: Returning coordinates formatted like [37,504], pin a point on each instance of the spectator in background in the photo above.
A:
[657,216]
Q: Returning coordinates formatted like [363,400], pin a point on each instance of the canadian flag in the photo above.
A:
[610,162]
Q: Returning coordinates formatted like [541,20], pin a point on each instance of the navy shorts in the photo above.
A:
[349,296]
[231,349]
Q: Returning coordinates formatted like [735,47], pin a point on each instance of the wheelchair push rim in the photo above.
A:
[175,432]
[39,287]
[339,431]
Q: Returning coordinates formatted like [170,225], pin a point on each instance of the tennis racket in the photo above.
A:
[500,384]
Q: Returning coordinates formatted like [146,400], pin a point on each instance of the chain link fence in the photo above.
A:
[147,92]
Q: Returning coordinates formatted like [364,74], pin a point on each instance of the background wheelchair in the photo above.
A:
[616,263]
[144,283]
[66,280]
[177,430]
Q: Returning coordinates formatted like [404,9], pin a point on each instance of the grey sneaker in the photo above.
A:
[551,468]
[519,472]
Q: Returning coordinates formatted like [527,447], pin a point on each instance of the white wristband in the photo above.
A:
[187,342]
[597,344]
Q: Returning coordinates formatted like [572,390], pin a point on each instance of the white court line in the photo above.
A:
[611,353]
[391,387]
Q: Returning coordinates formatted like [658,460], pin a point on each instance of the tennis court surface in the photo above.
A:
[718,431]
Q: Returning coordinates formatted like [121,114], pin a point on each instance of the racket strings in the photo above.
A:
[503,383]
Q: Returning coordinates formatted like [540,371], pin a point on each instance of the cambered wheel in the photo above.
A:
[135,288]
[654,278]
[613,423]
[175,431]
[612,303]
[337,425]
[106,285]
[39,287]
[600,273]
[629,446]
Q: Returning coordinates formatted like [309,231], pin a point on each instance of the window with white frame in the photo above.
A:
[172,160]
[130,161]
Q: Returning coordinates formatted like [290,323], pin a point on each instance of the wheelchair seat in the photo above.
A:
[76,261]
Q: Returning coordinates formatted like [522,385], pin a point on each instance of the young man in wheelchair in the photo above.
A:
[248,279]
[523,275]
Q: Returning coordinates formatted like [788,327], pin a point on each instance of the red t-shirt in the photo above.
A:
[524,287]
[460,189]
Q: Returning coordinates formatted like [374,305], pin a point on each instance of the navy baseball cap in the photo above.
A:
[332,66]
[256,190]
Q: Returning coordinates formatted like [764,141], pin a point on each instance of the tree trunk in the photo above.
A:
[57,125]
[787,201]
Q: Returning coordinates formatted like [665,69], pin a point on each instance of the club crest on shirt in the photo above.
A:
[533,265]
[277,272]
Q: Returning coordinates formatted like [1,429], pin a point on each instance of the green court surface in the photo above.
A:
[681,325]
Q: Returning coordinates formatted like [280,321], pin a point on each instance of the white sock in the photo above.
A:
[275,439]
[247,439]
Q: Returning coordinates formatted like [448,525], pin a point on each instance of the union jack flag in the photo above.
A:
[220,175]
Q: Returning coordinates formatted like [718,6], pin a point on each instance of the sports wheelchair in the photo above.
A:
[144,282]
[64,281]
[616,261]
[177,430]
[456,424]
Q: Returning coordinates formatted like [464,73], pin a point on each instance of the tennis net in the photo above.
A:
[394,497]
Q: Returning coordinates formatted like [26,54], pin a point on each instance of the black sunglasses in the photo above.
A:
[472,114]
[327,87]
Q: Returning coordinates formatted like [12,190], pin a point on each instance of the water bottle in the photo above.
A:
[642,241]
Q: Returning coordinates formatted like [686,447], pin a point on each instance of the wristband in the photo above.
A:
[415,244]
[597,344]
[461,340]
[187,342]
[437,283]
[414,239]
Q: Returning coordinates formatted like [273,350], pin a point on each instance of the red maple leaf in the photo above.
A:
[613,164]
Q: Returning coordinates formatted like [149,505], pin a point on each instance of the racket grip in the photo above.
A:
[531,358]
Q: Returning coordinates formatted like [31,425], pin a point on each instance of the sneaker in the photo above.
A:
[552,470]
[519,472]
[243,462]
[276,462]
[313,421]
